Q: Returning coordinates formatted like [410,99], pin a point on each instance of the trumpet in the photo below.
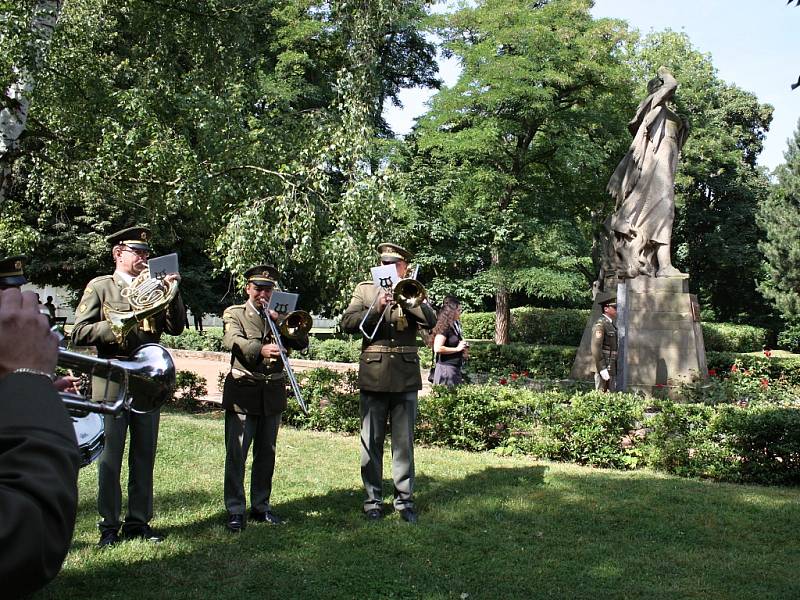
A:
[406,293]
[144,381]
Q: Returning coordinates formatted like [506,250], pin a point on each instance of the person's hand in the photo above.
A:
[384,298]
[68,383]
[462,345]
[274,315]
[270,351]
[26,341]
[176,277]
[604,374]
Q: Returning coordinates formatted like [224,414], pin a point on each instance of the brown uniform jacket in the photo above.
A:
[604,345]
[38,483]
[92,329]
[255,385]
[390,362]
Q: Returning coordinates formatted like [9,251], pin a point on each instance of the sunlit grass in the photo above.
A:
[490,527]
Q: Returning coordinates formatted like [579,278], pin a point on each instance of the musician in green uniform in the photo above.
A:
[130,250]
[38,451]
[604,344]
[389,379]
[254,396]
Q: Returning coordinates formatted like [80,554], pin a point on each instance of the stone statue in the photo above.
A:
[637,236]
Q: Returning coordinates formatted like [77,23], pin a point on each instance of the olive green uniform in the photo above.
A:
[38,483]
[92,329]
[604,353]
[389,379]
[254,396]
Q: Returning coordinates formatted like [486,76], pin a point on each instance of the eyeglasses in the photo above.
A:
[137,252]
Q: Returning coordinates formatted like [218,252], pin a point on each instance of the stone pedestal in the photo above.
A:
[660,337]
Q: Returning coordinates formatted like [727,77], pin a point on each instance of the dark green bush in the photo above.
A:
[189,388]
[727,337]
[773,367]
[531,325]
[334,350]
[332,398]
[564,326]
[789,339]
[540,362]
[469,417]
[208,341]
[756,442]
[753,444]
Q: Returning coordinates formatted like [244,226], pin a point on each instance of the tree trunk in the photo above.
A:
[14,116]
[502,320]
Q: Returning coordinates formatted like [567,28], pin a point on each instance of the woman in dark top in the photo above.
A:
[448,343]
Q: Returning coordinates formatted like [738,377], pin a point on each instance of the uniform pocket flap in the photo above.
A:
[372,357]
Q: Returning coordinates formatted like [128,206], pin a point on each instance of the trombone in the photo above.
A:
[407,293]
[293,325]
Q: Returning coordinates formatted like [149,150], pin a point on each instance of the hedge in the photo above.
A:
[736,441]
[563,326]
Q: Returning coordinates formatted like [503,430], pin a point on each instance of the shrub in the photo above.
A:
[754,444]
[531,325]
[470,417]
[589,430]
[332,398]
[789,339]
[727,337]
[774,368]
[190,339]
[540,362]
[189,388]
[564,326]
[334,350]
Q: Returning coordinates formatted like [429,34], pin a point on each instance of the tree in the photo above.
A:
[17,98]
[230,127]
[779,217]
[509,162]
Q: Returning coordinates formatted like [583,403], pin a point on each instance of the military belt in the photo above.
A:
[239,374]
[389,349]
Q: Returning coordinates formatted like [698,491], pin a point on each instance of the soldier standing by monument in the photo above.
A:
[604,345]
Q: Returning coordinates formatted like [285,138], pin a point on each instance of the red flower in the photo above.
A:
[514,376]
[734,368]
[764,382]
[660,385]
[712,372]
[503,381]
[767,352]
[524,373]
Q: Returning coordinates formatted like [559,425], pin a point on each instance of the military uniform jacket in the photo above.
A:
[604,345]
[38,483]
[92,329]
[255,385]
[390,362]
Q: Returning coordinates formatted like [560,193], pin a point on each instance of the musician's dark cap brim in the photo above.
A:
[11,271]
[137,238]
[262,275]
[392,253]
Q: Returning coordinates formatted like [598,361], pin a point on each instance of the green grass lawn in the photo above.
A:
[490,527]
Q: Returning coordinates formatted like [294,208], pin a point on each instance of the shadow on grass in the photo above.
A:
[517,532]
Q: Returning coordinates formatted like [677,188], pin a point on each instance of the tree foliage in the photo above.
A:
[779,217]
[509,163]
[240,131]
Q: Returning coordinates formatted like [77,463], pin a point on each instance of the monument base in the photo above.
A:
[660,336]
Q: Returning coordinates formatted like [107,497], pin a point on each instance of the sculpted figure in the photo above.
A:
[638,233]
